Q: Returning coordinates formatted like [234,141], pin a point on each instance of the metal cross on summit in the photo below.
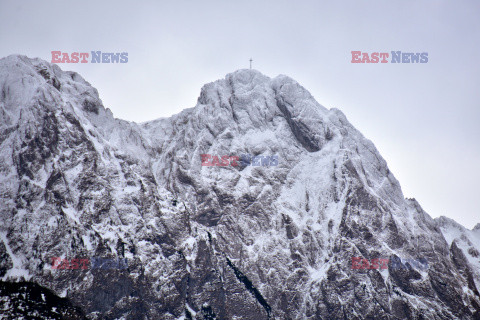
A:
[251,63]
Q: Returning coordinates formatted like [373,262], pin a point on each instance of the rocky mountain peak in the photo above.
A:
[252,241]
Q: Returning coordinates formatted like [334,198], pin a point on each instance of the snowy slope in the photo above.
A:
[241,242]
[467,240]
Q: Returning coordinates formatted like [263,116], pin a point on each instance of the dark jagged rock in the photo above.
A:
[245,242]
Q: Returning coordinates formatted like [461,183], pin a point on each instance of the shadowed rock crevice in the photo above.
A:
[299,129]
[250,287]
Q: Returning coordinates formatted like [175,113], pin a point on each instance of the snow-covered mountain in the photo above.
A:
[212,242]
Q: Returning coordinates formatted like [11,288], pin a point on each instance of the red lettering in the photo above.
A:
[225,161]
[74,264]
[75,57]
[233,161]
[215,161]
[64,264]
[69,265]
[374,57]
[355,55]
[355,261]
[84,263]
[55,59]
[84,56]
[384,55]
[206,160]
[383,263]
[365,58]
[365,264]
[66,58]
[56,262]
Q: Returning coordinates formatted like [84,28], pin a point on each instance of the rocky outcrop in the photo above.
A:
[217,242]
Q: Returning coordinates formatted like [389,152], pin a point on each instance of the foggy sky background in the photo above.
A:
[423,118]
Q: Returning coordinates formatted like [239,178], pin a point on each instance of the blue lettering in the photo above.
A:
[396,56]
[115,57]
[245,160]
[108,264]
[265,161]
[274,160]
[96,56]
[122,264]
[106,57]
[415,57]
[424,57]
[95,262]
[396,263]
[406,57]
[124,57]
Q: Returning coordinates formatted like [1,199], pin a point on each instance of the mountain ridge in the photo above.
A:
[246,242]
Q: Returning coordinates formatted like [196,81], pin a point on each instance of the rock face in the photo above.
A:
[213,242]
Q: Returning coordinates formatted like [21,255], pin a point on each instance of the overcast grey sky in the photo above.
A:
[423,118]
